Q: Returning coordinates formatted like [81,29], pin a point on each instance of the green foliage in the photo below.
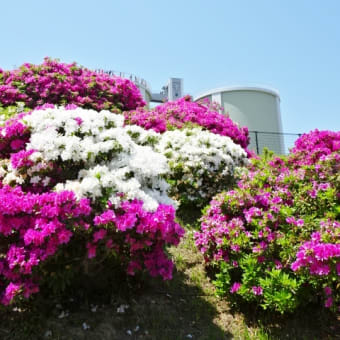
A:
[7,112]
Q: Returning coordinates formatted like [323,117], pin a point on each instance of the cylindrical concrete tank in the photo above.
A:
[255,107]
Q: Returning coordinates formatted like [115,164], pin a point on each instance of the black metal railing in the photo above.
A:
[278,142]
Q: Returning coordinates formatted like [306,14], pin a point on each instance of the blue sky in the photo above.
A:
[292,46]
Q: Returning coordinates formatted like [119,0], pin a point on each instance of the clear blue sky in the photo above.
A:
[292,46]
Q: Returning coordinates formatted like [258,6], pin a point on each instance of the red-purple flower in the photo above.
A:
[257,290]
[235,287]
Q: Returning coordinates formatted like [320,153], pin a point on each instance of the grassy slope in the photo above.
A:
[183,308]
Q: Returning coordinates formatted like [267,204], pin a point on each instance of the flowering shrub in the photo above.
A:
[311,146]
[276,238]
[75,178]
[201,163]
[32,229]
[59,83]
[138,236]
[183,113]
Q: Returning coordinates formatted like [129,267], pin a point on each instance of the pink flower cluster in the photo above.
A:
[21,159]
[142,236]
[318,257]
[13,136]
[311,146]
[32,228]
[183,112]
[35,227]
[59,83]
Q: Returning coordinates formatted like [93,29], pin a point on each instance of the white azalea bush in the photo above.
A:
[201,163]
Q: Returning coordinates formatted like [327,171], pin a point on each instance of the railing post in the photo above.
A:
[257,143]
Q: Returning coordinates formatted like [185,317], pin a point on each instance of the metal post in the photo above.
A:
[257,143]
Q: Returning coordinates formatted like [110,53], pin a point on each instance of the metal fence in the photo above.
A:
[137,80]
[278,142]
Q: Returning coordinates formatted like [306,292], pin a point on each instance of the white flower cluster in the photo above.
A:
[197,148]
[76,135]
[8,175]
[203,160]
[193,147]
[142,136]
[111,161]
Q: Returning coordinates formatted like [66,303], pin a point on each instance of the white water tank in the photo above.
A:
[255,107]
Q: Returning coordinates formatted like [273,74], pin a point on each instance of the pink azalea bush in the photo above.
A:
[33,228]
[183,113]
[311,146]
[59,83]
[75,188]
[132,232]
[275,239]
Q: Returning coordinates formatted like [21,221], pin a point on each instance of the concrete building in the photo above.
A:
[255,107]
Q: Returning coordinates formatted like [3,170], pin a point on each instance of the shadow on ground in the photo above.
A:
[310,322]
[150,309]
